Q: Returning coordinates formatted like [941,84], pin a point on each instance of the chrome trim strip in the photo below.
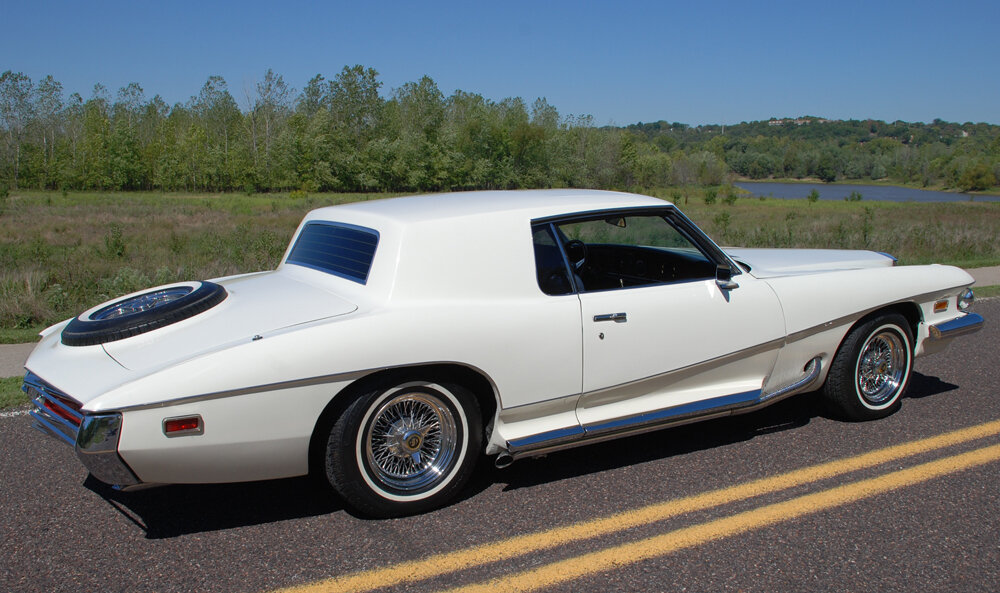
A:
[254,389]
[547,438]
[736,403]
[696,408]
[966,324]
[294,383]
[647,422]
[46,427]
[707,364]
[812,370]
[45,420]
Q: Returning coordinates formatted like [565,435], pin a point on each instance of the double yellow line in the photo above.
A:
[630,553]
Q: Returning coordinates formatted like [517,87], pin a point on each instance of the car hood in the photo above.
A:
[256,305]
[772,263]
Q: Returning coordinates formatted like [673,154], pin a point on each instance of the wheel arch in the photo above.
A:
[473,379]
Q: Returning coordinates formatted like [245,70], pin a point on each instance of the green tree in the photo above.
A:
[977,177]
[16,113]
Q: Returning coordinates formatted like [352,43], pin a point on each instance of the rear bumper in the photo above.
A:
[94,436]
[960,326]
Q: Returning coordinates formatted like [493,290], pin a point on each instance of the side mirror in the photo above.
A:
[724,277]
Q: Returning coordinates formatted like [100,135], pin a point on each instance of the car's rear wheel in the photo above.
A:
[871,370]
[404,448]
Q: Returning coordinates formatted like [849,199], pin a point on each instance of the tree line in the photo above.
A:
[345,134]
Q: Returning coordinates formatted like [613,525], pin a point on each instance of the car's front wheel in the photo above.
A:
[404,448]
[871,370]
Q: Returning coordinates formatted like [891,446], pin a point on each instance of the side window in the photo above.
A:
[553,278]
[628,251]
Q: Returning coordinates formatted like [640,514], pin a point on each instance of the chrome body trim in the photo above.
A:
[812,372]
[616,317]
[97,448]
[737,403]
[292,384]
[960,326]
[693,409]
[699,366]
[854,317]
[95,436]
[551,437]
[42,397]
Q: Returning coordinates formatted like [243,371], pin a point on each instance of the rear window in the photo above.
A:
[340,249]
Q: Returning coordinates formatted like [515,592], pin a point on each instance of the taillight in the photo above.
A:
[60,411]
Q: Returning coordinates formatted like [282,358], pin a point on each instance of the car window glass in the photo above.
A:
[553,277]
[627,251]
[340,249]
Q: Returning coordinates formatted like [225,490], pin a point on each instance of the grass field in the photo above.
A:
[11,395]
[62,253]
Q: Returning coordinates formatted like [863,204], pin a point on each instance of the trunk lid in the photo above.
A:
[256,305]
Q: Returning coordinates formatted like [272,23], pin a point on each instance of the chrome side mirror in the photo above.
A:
[724,277]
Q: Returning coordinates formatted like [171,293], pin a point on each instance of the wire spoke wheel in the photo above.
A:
[881,366]
[411,442]
[870,372]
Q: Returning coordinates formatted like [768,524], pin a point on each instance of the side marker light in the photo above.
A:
[183,426]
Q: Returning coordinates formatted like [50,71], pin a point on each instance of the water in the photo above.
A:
[869,193]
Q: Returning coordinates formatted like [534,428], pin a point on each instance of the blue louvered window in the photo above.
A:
[336,248]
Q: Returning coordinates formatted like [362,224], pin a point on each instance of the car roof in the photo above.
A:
[522,204]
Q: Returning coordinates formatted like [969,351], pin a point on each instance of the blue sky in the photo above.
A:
[621,62]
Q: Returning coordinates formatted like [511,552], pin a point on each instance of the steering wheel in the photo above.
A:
[576,252]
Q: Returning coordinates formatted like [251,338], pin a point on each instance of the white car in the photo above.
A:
[401,340]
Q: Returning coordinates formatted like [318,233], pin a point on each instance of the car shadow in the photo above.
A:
[181,509]
[175,510]
[789,414]
[922,386]
[792,413]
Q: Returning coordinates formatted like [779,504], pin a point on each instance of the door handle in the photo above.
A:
[616,317]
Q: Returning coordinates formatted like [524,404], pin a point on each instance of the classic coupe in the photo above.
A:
[400,341]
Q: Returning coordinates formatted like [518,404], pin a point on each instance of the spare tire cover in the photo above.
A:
[142,312]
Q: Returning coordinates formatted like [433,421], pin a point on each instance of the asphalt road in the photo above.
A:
[925,517]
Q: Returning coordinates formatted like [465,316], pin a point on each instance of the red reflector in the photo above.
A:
[61,412]
[185,425]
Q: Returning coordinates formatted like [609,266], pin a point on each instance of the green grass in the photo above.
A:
[9,335]
[61,254]
[11,395]
[983,292]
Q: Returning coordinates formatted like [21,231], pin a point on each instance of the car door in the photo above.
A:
[661,337]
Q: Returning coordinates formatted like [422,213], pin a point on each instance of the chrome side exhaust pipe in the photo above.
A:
[503,460]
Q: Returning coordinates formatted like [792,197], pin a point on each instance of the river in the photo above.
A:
[886,193]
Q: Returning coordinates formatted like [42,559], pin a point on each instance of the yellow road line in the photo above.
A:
[448,562]
[661,545]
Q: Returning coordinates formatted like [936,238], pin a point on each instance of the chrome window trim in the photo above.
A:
[671,216]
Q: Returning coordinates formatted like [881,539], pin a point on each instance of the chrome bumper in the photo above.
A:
[94,436]
[960,326]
